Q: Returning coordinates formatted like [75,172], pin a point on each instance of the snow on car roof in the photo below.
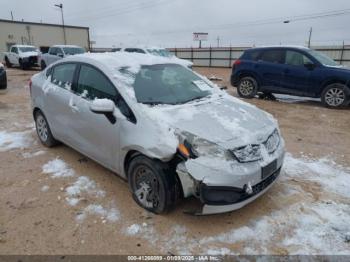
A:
[118,60]
[24,46]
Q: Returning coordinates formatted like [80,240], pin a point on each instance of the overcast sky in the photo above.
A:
[170,23]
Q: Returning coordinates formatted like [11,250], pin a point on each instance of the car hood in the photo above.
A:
[225,121]
[28,54]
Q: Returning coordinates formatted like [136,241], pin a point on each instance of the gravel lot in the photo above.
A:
[306,212]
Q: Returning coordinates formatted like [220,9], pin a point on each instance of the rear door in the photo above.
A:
[297,73]
[58,95]
[270,69]
[95,135]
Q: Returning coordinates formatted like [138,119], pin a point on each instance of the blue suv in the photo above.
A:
[291,70]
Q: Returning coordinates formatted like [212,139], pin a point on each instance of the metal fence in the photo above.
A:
[225,56]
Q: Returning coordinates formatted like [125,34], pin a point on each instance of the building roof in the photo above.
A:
[44,24]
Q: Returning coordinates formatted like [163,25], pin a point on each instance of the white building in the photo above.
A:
[41,35]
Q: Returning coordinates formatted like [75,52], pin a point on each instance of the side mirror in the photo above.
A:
[102,106]
[60,55]
[310,66]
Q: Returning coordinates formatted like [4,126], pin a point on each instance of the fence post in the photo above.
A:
[342,53]
[192,54]
[230,60]
[175,51]
[210,56]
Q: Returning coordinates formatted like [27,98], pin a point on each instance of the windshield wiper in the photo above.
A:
[195,99]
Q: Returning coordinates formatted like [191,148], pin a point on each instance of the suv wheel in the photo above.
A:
[43,130]
[8,63]
[152,184]
[247,87]
[335,96]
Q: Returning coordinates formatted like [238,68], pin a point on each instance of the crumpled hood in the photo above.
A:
[226,121]
[28,54]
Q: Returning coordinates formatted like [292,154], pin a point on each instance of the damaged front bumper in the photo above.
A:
[223,190]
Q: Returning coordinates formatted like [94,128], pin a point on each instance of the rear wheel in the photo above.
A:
[8,63]
[43,65]
[336,95]
[247,87]
[153,184]
[43,130]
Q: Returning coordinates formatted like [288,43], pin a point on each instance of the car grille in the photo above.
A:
[33,59]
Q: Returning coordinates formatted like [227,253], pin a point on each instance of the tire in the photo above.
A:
[8,63]
[335,96]
[43,130]
[22,65]
[43,65]
[247,87]
[153,184]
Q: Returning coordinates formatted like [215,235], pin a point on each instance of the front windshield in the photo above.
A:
[160,52]
[27,49]
[323,59]
[169,84]
[73,50]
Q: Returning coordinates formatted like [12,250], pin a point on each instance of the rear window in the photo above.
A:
[63,74]
[251,55]
[273,56]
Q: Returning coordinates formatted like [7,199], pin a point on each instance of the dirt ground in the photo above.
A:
[35,217]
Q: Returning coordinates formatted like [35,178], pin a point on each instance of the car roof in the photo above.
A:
[296,47]
[117,60]
[24,46]
[66,46]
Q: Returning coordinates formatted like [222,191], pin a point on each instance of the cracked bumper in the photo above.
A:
[225,190]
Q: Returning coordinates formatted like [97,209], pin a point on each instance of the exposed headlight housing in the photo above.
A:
[272,143]
[249,153]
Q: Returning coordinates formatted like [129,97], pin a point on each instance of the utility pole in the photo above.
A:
[11,15]
[64,29]
[218,41]
[310,35]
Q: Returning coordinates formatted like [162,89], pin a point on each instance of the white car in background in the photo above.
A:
[24,56]
[58,52]
[162,52]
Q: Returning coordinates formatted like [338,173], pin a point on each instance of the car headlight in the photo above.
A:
[201,147]
[272,142]
[249,153]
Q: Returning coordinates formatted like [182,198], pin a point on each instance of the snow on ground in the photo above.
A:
[57,168]
[15,140]
[30,155]
[294,99]
[310,227]
[83,188]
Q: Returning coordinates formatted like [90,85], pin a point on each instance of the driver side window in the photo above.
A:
[297,59]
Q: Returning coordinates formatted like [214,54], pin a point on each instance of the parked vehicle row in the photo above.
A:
[167,130]
[295,71]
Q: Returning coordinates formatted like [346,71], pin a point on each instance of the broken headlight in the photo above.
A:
[249,153]
[202,147]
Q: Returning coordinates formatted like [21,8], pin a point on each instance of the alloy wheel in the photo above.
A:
[246,87]
[42,128]
[335,97]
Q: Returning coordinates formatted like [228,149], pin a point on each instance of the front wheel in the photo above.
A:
[22,65]
[247,87]
[153,184]
[336,96]
[43,130]
[8,63]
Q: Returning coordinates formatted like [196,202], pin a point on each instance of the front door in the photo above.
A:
[95,135]
[297,74]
